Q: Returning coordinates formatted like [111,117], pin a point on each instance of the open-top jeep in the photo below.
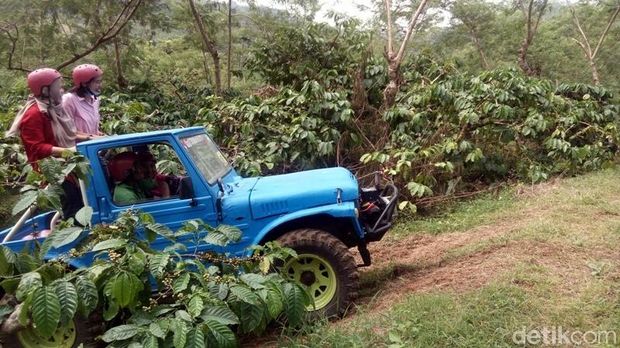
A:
[319,213]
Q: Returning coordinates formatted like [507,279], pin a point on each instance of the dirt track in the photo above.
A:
[422,263]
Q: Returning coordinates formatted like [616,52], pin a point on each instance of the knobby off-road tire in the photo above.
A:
[81,331]
[326,267]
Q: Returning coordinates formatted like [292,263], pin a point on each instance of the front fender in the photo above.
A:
[337,210]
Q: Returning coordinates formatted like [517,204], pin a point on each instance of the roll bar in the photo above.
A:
[28,213]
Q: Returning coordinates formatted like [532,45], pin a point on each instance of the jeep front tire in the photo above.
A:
[326,267]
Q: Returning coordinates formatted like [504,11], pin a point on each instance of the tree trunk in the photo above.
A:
[120,79]
[390,91]
[584,43]
[483,57]
[209,45]
[532,13]
[522,58]
[229,44]
[595,77]
[206,67]
[394,59]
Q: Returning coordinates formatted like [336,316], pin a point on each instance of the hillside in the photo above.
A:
[534,257]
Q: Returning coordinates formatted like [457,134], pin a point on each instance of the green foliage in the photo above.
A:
[292,130]
[43,188]
[46,311]
[12,164]
[461,129]
[68,299]
[291,55]
[199,298]
[89,295]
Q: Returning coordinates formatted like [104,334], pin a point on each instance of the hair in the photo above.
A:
[81,91]
[45,92]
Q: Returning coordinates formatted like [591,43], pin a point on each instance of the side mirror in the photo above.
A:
[186,189]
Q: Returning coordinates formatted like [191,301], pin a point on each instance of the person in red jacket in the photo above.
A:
[46,130]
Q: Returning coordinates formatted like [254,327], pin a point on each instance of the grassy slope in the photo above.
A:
[530,257]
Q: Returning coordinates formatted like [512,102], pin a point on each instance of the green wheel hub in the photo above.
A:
[317,275]
[64,337]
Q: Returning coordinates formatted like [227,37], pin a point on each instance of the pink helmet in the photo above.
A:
[82,74]
[41,78]
[120,166]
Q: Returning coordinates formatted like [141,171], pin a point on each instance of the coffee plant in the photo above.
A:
[169,298]
[463,129]
[449,132]
[175,297]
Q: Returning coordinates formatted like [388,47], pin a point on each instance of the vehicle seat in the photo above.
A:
[37,235]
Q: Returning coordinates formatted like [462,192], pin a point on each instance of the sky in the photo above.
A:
[361,9]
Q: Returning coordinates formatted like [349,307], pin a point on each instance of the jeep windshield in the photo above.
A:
[208,158]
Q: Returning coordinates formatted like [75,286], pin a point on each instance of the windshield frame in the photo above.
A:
[210,179]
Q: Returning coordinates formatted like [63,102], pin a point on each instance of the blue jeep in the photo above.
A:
[319,213]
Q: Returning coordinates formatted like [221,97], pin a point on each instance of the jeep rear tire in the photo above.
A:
[79,331]
[327,269]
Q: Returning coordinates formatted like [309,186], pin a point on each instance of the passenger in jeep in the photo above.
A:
[154,184]
[127,176]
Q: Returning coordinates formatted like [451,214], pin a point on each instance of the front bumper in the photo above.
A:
[377,211]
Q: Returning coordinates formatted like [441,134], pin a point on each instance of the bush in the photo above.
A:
[462,129]
[145,296]
[152,297]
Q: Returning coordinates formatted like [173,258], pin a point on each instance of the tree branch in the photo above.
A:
[412,24]
[394,61]
[121,21]
[388,12]
[541,11]
[7,30]
[606,31]
[209,45]
[585,45]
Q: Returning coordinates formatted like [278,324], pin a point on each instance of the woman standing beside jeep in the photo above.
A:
[82,102]
[46,130]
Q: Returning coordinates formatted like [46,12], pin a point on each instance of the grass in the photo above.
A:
[487,317]
[477,319]
[459,216]
[559,243]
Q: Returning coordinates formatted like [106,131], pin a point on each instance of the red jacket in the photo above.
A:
[37,135]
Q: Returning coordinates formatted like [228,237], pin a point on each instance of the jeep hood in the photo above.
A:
[281,194]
